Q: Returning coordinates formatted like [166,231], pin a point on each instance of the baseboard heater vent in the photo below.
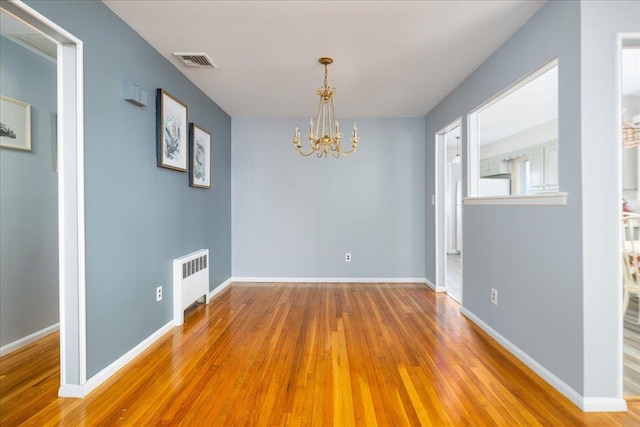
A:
[190,282]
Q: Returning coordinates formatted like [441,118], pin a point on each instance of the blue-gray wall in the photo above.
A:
[296,217]
[531,254]
[28,201]
[138,217]
[555,267]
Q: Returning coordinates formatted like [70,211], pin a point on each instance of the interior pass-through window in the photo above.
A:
[516,137]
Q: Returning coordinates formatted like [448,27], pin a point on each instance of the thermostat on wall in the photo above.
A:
[135,94]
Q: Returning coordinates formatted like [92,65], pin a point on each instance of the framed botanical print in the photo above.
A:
[15,124]
[200,158]
[171,133]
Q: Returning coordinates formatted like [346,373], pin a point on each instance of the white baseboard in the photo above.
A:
[99,378]
[604,404]
[587,404]
[434,287]
[330,279]
[24,341]
[221,287]
[71,390]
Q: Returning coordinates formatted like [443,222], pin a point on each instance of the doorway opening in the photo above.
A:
[630,179]
[70,167]
[28,186]
[449,210]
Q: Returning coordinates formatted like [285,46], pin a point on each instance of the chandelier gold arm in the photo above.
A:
[303,153]
[354,145]
[298,144]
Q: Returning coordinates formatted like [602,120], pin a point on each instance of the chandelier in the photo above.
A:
[630,135]
[325,136]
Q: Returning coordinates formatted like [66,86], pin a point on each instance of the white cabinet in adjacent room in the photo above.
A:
[531,169]
[536,169]
[551,167]
[493,166]
[543,168]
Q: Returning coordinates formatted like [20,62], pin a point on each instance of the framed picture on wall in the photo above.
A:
[171,133]
[15,124]
[200,157]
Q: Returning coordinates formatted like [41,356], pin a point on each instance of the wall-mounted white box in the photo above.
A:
[135,94]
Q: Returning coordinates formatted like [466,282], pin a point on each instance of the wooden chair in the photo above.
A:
[631,259]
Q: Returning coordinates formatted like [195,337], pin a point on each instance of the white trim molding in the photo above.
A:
[330,279]
[221,287]
[434,287]
[543,199]
[604,404]
[72,390]
[587,404]
[24,341]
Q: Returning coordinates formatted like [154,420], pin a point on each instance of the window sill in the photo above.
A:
[543,199]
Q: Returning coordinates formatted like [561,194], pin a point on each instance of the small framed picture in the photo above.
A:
[15,124]
[200,158]
[171,133]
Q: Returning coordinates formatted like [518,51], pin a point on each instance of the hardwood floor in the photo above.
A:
[454,277]
[309,354]
[632,350]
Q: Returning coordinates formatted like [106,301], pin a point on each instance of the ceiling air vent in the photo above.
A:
[195,59]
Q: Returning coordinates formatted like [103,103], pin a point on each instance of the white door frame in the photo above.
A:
[440,169]
[71,244]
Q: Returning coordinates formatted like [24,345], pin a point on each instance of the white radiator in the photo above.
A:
[190,282]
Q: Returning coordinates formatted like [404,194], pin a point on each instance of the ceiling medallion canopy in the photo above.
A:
[325,136]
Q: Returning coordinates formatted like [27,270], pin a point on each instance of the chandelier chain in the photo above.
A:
[326,84]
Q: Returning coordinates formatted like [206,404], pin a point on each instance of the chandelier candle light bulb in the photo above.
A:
[321,142]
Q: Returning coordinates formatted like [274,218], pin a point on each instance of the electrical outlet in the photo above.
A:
[159,293]
[494,296]
[347,257]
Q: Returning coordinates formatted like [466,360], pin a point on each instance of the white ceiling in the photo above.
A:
[392,58]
